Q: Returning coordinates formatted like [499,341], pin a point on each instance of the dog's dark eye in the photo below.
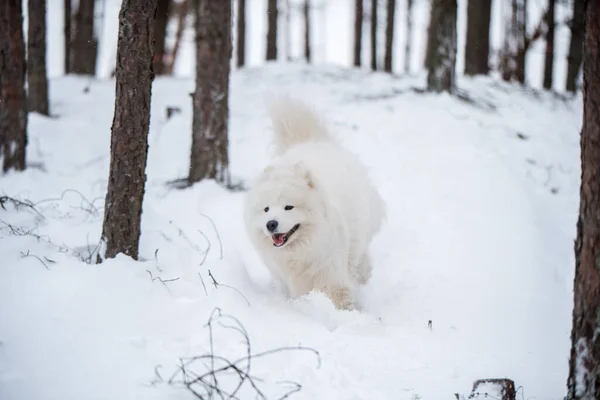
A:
[266,209]
[288,208]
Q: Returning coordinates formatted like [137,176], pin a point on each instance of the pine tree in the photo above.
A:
[241,33]
[409,36]
[306,10]
[358,29]
[160,33]
[441,57]
[575,57]
[389,36]
[272,30]
[84,44]
[37,80]
[478,37]
[374,35]
[68,16]
[549,56]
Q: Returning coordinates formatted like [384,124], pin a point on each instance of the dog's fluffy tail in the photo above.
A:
[294,123]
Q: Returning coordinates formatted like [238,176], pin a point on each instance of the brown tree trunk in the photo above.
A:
[129,136]
[584,365]
[241,32]
[13,103]
[358,31]
[209,156]
[549,56]
[181,11]
[85,45]
[576,46]
[409,35]
[37,80]
[307,30]
[374,35]
[516,43]
[160,33]
[389,36]
[477,49]
[441,46]
[272,30]
[67,15]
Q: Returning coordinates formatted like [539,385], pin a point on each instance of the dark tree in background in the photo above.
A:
[584,364]
[37,80]
[358,31]
[241,32]
[160,32]
[409,35]
[13,103]
[477,49]
[374,34]
[389,36]
[307,30]
[576,46]
[441,59]
[84,44]
[67,15]
[272,30]
[549,56]
[209,156]
[129,136]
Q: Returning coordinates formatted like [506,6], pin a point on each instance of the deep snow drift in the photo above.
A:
[472,270]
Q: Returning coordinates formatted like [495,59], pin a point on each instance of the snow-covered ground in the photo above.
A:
[472,270]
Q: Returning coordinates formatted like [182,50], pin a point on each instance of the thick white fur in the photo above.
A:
[337,207]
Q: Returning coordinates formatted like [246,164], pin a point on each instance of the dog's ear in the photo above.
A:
[304,173]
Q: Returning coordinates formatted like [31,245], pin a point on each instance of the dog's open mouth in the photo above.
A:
[279,239]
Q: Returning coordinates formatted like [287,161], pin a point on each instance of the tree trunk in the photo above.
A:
[584,365]
[37,80]
[358,28]
[307,30]
[181,11]
[442,46]
[478,37]
[549,57]
[516,42]
[13,107]
[374,35]
[209,157]
[389,36]
[409,35]
[241,32]
[67,15]
[85,45]
[272,30]
[129,136]
[160,33]
[576,46]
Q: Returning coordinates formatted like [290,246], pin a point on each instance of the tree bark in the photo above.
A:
[374,35]
[272,30]
[307,30]
[85,45]
[409,36]
[442,47]
[389,36]
[37,80]
[549,56]
[241,32]
[160,33]
[516,43]
[209,156]
[67,15]
[129,135]
[584,364]
[13,103]
[576,46]
[478,37]
[358,31]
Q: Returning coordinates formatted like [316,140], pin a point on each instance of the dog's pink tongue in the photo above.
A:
[278,239]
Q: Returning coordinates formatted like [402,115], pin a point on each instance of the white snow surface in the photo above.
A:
[473,268]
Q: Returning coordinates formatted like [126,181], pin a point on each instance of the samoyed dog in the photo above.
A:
[313,212]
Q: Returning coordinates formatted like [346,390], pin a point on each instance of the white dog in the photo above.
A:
[313,212]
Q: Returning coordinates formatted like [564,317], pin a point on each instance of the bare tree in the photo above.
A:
[129,136]
[478,37]
[84,44]
[575,57]
[441,67]
[160,32]
[549,56]
[307,30]
[374,34]
[409,36]
[512,64]
[584,364]
[272,30]
[13,105]
[67,15]
[241,32]
[37,80]
[209,157]
[358,29]
[389,36]
[180,10]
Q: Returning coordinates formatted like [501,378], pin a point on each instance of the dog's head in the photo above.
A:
[283,207]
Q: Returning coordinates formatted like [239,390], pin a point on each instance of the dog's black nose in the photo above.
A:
[272,225]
